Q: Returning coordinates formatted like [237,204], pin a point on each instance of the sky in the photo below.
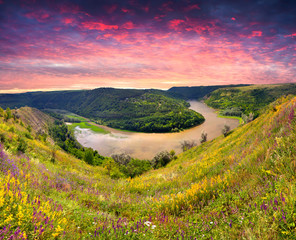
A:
[86,44]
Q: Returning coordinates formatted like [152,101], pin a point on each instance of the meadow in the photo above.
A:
[241,186]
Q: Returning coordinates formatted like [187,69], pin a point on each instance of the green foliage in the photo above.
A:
[89,156]
[8,114]
[137,167]
[22,145]
[1,112]
[66,140]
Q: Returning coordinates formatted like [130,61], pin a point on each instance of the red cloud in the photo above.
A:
[128,25]
[233,18]
[174,24]
[98,26]
[68,20]
[291,35]
[256,34]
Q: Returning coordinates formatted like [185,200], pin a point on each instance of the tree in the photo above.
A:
[225,130]
[204,137]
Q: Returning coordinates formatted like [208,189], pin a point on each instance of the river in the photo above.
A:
[146,145]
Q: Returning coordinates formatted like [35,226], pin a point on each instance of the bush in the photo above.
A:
[7,114]
[162,159]
[204,137]
[186,145]
[137,167]
[225,130]
[122,158]
[89,156]
[22,146]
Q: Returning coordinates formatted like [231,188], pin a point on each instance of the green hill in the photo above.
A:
[237,187]
[129,109]
[198,92]
[248,99]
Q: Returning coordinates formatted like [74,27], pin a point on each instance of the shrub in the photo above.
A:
[89,156]
[204,137]
[136,167]
[161,159]
[22,146]
[121,158]
[225,130]
[187,144]
[8,114]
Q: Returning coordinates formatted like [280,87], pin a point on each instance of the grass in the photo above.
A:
[241,121]
[74,116]
[90,126]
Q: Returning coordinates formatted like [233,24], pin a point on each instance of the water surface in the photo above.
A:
[146,145]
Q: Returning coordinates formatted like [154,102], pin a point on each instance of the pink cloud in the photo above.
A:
[128,25]
[68,20]
[233,18]
[175,23]
[256,34]
[98,26]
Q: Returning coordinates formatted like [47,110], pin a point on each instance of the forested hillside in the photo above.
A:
[241,186]
[234,101]
[198,92]
[129,109]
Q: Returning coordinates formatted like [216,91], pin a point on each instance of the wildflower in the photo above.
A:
[153,226]
[147,223]
[211,222]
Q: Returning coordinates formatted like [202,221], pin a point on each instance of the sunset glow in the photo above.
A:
[50,45]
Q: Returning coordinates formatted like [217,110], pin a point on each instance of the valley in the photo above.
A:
[146,145]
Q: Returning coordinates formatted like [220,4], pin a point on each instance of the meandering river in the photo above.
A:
[146,145]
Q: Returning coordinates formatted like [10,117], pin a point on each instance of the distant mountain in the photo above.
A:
[129,109]
[198,92]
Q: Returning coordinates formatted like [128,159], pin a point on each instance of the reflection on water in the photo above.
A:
[146,145]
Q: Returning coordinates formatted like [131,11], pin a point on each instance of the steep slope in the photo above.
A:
[129,109]
[235,187]
[38,120]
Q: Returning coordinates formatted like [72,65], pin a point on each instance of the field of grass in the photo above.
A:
[237,187]
[90,126]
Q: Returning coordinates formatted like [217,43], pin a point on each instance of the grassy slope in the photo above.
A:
[237,187]
[250,98]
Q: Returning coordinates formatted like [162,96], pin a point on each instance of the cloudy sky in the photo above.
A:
[47,45]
